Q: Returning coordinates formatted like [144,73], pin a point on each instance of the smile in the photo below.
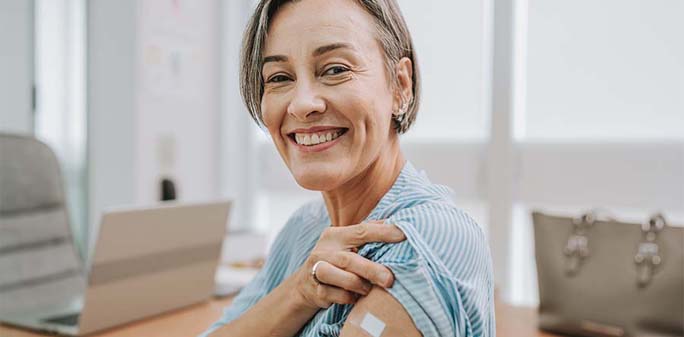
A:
[316,138]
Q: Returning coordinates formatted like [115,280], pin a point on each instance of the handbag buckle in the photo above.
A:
[647,258]
[577,247]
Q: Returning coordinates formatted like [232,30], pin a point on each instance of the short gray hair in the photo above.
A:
[393,35]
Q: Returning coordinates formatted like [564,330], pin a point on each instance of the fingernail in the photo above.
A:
[386,279]
[399,234]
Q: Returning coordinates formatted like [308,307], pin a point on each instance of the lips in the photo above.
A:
[316,139]
[316,135]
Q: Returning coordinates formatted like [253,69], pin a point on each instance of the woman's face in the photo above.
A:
[327,101]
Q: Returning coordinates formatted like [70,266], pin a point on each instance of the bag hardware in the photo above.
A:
[647,258]
[577,247]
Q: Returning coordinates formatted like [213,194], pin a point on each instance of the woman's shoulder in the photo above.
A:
[311,211]
[447,244]
[430,208]
[308,219]
[443,231]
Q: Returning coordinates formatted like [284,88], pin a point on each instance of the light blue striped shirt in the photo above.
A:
[443,272]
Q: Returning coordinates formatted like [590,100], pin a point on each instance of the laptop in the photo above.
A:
[146,261]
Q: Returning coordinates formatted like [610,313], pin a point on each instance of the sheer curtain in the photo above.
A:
[60,97]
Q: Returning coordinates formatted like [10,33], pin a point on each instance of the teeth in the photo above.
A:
[316,138]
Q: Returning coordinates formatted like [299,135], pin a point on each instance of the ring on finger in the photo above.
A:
[313,272]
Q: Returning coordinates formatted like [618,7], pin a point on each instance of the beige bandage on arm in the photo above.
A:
[379,314]
[369,325]
[373,325]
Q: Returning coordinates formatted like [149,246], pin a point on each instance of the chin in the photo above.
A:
[317,178]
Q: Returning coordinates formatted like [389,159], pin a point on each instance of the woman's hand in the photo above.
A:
[342,274]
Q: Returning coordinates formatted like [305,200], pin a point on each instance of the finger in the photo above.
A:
[360,234]
[331,275]
[330,294]
[374,272]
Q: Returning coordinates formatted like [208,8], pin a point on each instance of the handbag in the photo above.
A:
[602,277]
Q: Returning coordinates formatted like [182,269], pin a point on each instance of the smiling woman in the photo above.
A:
[335,82]
[340,68]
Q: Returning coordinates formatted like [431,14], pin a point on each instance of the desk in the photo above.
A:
[517,322]
[189,322]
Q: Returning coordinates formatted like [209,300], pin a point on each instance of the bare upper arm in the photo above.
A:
[380,304]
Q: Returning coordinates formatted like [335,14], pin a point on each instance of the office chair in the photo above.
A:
[39,263]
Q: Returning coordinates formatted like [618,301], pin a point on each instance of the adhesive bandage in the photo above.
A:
[373,325]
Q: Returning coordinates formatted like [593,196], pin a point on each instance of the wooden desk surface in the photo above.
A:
[189,322]
[517,322]
[186,322]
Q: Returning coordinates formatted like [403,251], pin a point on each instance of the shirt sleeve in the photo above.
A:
[443,299]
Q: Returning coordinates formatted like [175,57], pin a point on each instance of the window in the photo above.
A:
[605,70]
[450,46]
[599,117]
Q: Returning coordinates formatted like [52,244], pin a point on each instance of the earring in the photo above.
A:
[402,109]
[398,118]
[399,115]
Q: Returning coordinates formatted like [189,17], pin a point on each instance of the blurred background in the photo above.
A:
[555,105]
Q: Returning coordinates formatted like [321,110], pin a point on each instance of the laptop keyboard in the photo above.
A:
[70,320]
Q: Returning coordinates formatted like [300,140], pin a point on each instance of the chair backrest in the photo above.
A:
[39,264]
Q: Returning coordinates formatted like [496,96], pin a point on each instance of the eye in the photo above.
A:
[277,78]
[336,70]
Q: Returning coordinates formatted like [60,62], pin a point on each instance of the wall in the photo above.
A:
[178,97]
[153,102]
[110,105]
[16,66]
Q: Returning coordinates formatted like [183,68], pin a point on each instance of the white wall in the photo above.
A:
[153,87]
[177,99]
[111,108]
[16,66]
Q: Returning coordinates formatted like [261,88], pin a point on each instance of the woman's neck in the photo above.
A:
[352,202]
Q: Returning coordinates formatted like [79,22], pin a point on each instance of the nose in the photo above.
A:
[305,103]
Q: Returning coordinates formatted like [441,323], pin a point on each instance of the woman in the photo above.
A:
[335,82]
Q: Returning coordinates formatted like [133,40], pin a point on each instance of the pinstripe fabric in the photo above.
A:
[443,274]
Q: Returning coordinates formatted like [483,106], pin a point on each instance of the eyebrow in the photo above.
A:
[318,52]
[330,47]
[274,58]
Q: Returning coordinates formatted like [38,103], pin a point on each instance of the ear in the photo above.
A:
[404,82]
